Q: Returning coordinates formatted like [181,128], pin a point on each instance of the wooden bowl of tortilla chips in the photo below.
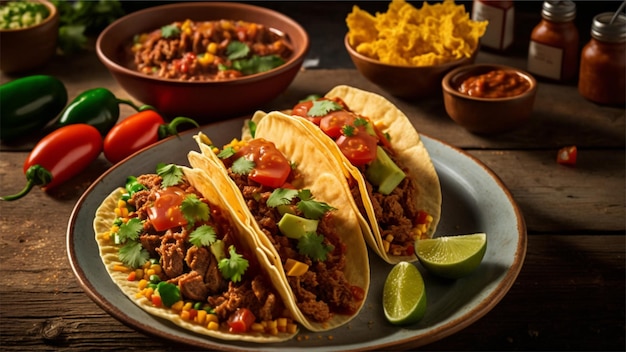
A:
[407,51]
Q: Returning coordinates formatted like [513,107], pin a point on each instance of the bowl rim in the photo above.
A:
[448,88]
[353,52]
[51,16]
[296,59]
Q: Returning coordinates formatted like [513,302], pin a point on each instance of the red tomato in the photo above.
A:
[156,301]
[66,152]
[137,132]
[166,213]
[332,123]
[302,109]
[567,156]
[359,148]
[271,167]
[241,320]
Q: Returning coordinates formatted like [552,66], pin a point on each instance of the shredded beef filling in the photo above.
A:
[323,290]
[195,269]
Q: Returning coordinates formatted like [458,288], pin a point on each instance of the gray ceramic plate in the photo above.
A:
[474,200]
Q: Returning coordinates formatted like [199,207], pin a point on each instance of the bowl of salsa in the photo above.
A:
[489,98]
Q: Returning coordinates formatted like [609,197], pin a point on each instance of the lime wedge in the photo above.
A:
[452,257]
[404,295]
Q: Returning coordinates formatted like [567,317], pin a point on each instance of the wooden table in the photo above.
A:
[569,294]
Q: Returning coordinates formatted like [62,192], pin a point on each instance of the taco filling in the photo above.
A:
[301,229]
[386,178]
[188,261]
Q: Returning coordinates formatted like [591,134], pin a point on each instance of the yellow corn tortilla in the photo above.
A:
[405,141]
[104,218]
[321,176]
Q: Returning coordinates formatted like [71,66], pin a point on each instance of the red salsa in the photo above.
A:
[495,84]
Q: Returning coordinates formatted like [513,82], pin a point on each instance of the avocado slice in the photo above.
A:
[294,226]
[217,248]
[384,173]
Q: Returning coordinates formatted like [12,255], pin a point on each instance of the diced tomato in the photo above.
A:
[301,109]
[156,301]
[241,320]
[567,156]
[192,314]
[332,123]
[271,167]
[421,217]
[359,148]
[166,212]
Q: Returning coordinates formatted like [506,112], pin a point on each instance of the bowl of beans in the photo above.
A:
[205,60]
[489,98]
[28,34]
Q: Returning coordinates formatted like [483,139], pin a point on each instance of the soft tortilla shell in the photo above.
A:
[104,218]
[321,177]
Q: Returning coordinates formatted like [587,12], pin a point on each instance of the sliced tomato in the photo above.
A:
[271,168]
[166,212]
[302,109]
[241,320]
[567,155]
[359,148]
[332,123]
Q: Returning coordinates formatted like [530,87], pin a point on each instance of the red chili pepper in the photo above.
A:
[567,156]
[137,132]
[60,156]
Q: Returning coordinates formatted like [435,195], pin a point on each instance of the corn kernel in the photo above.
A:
[212,48]
[386,246]
[257,327]
[213,325]
[201,317]
[120,268]
[187,306]
[212,318]
[118,212]
[272,331]
[389,238]
[184,315]
[148,292]
[143,283]
[157,268]
[292,328]
[178,306]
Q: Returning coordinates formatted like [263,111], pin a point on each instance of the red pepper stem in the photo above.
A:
[171,129]
[35,175]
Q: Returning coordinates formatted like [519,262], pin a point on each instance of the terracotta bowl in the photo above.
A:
[487,115]
[29,48]
[408,82]
[209,100]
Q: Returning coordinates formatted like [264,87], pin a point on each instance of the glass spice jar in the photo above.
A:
[553,50]
[501,16]
[603,61]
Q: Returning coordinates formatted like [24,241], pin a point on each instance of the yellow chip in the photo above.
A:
[405,35]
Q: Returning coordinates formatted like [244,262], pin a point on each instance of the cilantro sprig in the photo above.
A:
[311,208]
[170,173]
[131,253]
[323,107]
[234,267]
[169,31]
[194,209]
[203,236]
[313,246]
[243,166]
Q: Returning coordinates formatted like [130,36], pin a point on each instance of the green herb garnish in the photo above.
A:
[312,245]
[194,209]
[170,173]
[281,196]
[133,254]
[348,130]
[242,166]
[234,267]
[226,153]
[202,236]
[171,30]
[130,230]
[237,50]
[323,107]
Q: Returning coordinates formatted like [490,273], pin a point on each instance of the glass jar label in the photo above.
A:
[545,60]
[499,33]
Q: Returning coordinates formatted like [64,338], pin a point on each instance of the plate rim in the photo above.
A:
[448,328]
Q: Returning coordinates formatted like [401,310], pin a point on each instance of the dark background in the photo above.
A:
[326,26]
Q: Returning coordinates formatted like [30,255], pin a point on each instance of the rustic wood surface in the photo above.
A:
[568,296]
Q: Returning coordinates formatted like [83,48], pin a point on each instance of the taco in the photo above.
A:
[302,216]
[171,245]
[390,175]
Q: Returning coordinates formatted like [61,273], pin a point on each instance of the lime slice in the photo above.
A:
[404,295]
[452,257]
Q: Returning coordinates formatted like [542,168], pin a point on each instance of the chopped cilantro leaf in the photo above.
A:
[130,230]
[311,97]
[360,122]
[226,153]
[237,50]
[170,31]
[252,127]
[312,245]
[256,64]
[194,209]
[234,267]
[133,254]
[202,236]
[281,196]
[312,209]
[323,107]
[242,166]
[170,173]
[348,130]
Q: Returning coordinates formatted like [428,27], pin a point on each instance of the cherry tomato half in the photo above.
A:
[302,109]
[359,148]
[166,212]
[241,320]
[271,167]
[567,156]
[332,123]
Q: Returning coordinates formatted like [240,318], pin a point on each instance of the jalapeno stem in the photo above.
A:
[171,129]
[35,175]
[135,106]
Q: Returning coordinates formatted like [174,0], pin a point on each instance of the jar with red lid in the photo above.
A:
[553,50]
[603,61]
[501,16]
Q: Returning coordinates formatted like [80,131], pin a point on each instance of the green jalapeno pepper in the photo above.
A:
[98,107]
[27,104]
